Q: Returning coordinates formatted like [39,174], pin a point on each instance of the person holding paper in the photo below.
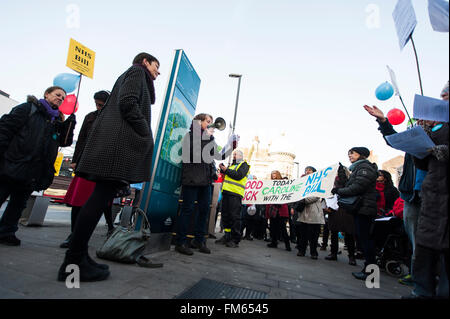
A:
[309,220]
[432,235]
[30,136]
[409,187]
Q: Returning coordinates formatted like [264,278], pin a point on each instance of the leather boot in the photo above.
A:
[225,238]
[88,272]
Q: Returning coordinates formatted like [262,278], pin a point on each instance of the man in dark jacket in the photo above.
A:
[198,152]
[233,191]
[361,183]
[30,136]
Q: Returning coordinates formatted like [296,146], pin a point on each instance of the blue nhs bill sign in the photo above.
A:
[161,194]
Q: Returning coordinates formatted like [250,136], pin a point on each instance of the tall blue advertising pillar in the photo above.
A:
[161,194]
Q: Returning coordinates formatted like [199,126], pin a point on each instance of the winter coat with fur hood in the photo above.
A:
[29,142]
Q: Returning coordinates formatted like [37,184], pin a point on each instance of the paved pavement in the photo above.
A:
[30,270]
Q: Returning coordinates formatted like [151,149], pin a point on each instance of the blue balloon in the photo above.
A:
[67,81]
[340,235]
[384,91]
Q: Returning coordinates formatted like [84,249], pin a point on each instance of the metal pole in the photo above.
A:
[237,101]
[417,64]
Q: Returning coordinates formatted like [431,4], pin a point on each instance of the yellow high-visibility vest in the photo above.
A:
[235,186]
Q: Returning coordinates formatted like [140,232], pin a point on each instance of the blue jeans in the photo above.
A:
[190,194]
[411,212]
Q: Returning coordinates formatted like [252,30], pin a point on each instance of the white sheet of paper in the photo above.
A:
[438,12]
[383,219]
[405,21]
[413,141]
[428,108]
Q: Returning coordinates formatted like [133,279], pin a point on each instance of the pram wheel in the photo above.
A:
[396,268]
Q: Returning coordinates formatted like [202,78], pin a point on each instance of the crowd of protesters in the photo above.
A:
[106,162]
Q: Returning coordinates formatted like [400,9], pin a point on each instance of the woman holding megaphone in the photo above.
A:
[199,150]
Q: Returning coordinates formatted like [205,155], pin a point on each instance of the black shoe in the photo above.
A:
[222,241]
[88,272]
[201,247]
[361,275]
[352,261]
[272,245]
[183,249]
[359,255]
[232,244]
[314,257]
[66,243]
[10,240]
[288,248]
[331,257]
[248,238]
[323,247]
[301,254]
[95,264]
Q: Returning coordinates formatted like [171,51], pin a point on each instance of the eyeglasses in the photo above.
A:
[100,104]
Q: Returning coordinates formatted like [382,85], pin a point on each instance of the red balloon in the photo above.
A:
[67,105]
[396,116]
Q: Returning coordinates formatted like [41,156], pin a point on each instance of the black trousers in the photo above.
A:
[231,216]
[278,230]
[18,196]
[308,234]
[90,214]
[363,225]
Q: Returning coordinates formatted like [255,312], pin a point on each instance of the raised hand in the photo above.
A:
[375,112]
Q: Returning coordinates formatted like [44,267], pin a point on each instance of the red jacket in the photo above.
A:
[283,210]
[397,210]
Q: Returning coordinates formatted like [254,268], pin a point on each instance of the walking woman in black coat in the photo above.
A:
[361,183]
[30,136]
[118,152]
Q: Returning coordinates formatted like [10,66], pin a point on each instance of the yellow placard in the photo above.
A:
[81,59]
[58,163]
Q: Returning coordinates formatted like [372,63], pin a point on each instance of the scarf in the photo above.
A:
[149,81]
[54,113]
[381,200]
[353,166]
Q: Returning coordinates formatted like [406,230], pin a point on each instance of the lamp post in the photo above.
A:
[239,76]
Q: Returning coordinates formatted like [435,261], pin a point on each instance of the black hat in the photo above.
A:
[361,151]
[101,95]
[311,168]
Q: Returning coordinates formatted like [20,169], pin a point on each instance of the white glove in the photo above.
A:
[232,138]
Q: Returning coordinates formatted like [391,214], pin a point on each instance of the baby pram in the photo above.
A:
[393,248]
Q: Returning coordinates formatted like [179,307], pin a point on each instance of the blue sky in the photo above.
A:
[308,66]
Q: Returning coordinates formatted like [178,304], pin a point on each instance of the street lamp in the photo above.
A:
[239,76]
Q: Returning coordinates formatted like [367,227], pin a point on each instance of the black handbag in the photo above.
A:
[350,204]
